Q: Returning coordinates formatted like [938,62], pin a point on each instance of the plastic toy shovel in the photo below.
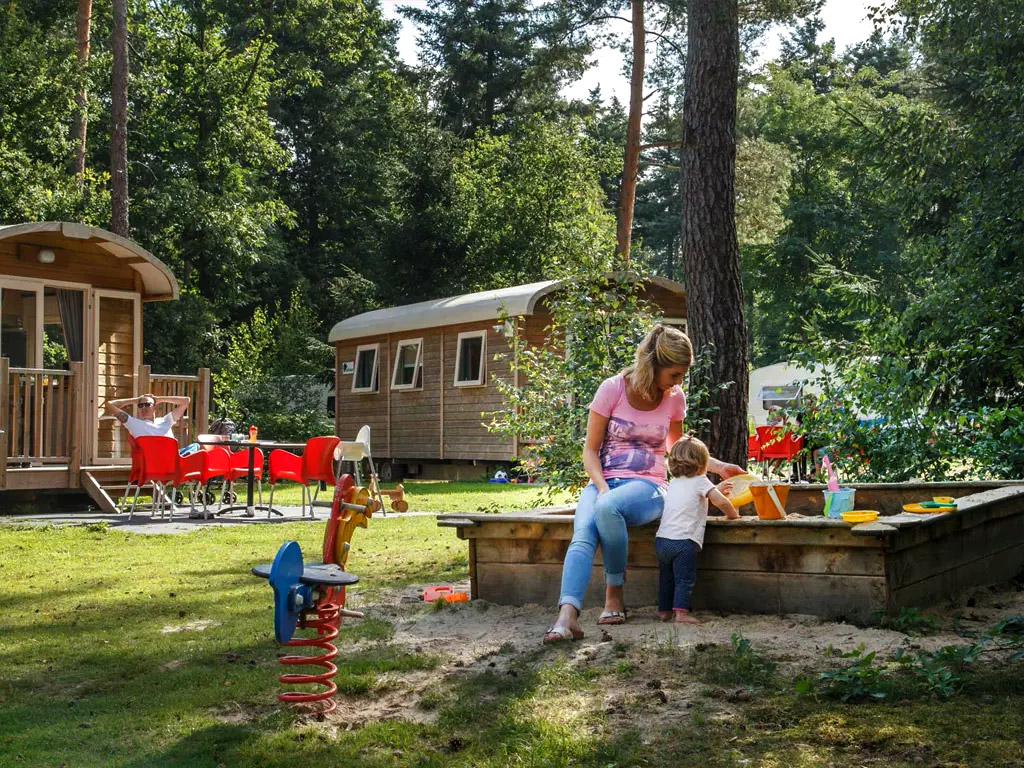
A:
[833,484]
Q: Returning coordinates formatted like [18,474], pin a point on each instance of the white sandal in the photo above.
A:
[560,634]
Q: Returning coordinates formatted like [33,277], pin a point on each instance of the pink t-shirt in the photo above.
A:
[634,443]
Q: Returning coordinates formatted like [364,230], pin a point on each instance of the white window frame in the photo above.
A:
[482,335]
[417,370]
[374,377]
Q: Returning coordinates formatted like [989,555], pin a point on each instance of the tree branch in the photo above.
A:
[658,35]
[660,144]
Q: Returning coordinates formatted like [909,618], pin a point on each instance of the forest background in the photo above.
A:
[293,171]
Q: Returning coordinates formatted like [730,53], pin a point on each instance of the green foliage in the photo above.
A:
[529,205]
[911,621]
[274,374]
[860,679]
[603,319]
[942,672]
[739,664]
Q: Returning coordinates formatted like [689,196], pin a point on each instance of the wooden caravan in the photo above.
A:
[70,339]
[421,375]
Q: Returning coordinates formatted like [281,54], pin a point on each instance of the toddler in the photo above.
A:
[681,534]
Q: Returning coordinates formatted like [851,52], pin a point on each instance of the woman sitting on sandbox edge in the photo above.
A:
[634,416]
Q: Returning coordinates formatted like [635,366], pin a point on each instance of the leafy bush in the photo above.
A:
[743,666]
[861,679]
[604,318]
[911,621]
[275,374]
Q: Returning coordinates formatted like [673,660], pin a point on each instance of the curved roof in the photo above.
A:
[467,308]
[158,282]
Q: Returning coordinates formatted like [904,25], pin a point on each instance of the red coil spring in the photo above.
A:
[326,625]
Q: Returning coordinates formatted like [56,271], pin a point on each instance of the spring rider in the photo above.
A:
[312,595]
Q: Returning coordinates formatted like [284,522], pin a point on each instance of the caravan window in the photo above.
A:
[469,359]
[408,373]
[365,378]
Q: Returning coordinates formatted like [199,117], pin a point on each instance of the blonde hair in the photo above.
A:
[664,346]
[688,457]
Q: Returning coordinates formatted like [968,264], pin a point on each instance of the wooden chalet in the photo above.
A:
[421,375]
[71,338]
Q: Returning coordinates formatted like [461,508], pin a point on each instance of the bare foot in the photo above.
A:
[664,615]
[613,599]
[567,624]
[684,617]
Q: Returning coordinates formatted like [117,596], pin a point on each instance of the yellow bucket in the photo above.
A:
[740,493]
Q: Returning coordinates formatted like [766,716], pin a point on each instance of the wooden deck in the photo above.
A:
[801,565]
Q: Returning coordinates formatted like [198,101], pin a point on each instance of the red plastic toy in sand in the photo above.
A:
[432,594]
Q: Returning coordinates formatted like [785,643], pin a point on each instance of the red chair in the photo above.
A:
[316,465]
[162,466]
[216,462]
[239,470]
[134,474]
[780,444]
[754,449]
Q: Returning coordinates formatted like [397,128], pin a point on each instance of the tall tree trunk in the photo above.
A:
[119,120]
[710,251]
[631,161]
[80,123]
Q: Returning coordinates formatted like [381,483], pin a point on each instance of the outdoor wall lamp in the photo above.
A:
[46,256]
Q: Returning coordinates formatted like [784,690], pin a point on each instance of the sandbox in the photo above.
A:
[805,564]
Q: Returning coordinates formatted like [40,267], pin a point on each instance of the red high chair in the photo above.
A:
[315,465]
[162,466]
[780,444]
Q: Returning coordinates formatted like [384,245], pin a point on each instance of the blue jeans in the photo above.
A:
[603,519]
[677,572]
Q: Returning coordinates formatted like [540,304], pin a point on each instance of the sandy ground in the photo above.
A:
[479,637]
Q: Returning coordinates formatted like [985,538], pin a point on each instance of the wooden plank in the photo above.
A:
[76,405]
[727,557]
[46,425]
[929,558]
[36,478]
[847,597]
[98,494]
[748,532]
[202,409]
[23,388]
[6,403]
[998,566]
[473,593]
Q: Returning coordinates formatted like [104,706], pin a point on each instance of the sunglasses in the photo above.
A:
[146,405]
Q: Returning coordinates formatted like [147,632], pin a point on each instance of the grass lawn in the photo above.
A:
[123,650]
[441,497]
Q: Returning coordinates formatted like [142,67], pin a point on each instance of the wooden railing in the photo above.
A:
[196,418]
[42,412]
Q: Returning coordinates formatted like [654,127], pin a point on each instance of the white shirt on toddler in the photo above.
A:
[686,509]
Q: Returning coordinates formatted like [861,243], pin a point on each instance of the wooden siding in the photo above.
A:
[116,366]
[465,408]
[88,265]
[415,426]
[352,410]
[441,420]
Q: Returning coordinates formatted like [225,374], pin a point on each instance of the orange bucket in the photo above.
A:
[765,504]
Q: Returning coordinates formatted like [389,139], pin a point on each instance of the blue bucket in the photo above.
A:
[837,502]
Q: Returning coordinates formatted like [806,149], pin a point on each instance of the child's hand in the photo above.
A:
[726,488]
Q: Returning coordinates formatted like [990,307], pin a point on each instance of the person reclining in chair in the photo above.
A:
[146,423]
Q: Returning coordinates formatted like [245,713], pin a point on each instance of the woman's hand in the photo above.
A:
[724,470]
